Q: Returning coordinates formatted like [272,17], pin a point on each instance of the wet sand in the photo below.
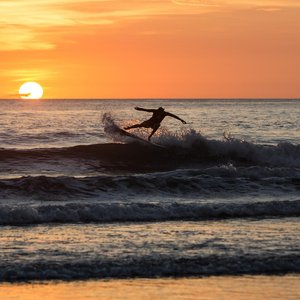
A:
[223,287]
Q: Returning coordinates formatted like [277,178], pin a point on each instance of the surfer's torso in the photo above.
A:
[156,119]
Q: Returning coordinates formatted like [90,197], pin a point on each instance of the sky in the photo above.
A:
[151,48]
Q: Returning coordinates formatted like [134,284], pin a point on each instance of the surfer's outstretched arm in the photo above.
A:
[176,117]
[145,109]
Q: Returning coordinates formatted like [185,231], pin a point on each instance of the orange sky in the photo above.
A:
[143,48]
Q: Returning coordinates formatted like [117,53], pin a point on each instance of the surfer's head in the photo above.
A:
[161,109]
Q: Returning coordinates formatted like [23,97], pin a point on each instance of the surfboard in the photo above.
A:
[137,138]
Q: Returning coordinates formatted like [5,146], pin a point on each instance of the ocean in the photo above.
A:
[79,201]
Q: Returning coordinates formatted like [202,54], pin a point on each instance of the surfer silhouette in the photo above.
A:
[154,122]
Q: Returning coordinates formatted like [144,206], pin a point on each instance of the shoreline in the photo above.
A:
[216,287]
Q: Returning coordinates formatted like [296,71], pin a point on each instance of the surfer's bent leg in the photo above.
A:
[145,124]
[133,126]
[153,131]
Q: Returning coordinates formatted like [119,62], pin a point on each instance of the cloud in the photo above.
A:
[202,3]
[23,75]
[239,3]
[24,23]
[15,38]
[269,9]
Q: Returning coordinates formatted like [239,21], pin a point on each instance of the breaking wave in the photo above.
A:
[143,212]
[152,266]
[192,143]
[185,148]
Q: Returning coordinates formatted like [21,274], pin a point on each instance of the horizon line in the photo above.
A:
[162,98]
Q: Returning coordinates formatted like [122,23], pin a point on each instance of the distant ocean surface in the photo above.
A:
[79,201]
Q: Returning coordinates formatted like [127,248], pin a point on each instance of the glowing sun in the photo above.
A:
[31,90]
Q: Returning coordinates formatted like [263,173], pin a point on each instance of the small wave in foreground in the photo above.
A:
[143,212]
[153,266]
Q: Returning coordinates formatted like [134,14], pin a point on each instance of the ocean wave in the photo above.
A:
[152,266]
[181,149]
[192,144]
[143,212]
[138,156]
[208,182]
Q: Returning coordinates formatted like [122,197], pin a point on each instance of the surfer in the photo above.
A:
[154,122]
